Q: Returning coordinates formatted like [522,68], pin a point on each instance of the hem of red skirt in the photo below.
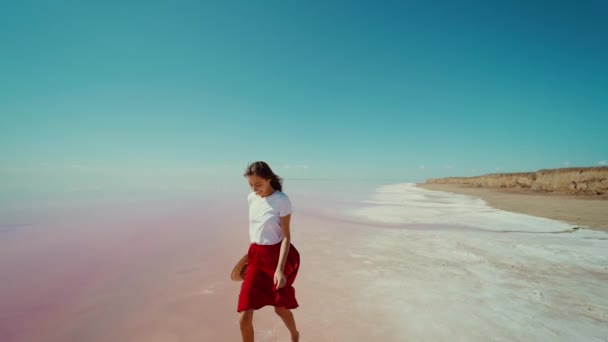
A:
[263,305]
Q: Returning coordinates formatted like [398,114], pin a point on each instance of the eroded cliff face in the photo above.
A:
[575,180]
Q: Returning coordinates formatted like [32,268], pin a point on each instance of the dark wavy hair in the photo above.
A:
[261,169]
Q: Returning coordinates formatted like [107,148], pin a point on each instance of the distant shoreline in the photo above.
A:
[586,211]
[587,181]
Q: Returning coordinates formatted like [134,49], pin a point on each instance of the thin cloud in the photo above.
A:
[87,168]
[85,188]
[16,169]
[603,162]
[297,166]
[80,167]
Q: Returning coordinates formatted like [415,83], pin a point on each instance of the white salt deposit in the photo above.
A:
[407,204]
[503,276]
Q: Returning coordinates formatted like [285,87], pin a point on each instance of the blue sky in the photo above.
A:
[181,90]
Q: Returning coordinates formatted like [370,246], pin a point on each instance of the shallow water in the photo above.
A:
[379,262]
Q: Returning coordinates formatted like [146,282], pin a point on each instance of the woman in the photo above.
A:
[273,260]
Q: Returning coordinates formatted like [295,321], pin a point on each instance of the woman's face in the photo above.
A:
[260,186]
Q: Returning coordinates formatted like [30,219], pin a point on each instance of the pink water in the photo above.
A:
[413,265]
[158,271]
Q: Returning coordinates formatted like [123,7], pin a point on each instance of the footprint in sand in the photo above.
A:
[537,295]
[207,292]
[267,335]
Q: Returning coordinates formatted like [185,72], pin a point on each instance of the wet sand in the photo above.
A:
[587,211]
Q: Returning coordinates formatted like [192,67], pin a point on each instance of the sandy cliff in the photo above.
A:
[575,180]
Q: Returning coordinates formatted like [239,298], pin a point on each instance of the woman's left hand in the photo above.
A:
[279,279]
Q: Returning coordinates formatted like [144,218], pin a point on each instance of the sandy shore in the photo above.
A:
[584,211]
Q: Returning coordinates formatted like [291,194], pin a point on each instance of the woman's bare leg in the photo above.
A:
[246,321]
[289,321]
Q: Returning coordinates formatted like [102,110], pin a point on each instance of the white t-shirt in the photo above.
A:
[264,217]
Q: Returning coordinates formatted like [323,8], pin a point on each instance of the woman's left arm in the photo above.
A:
[279,275]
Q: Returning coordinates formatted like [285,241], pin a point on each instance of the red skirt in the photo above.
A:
[258,288]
